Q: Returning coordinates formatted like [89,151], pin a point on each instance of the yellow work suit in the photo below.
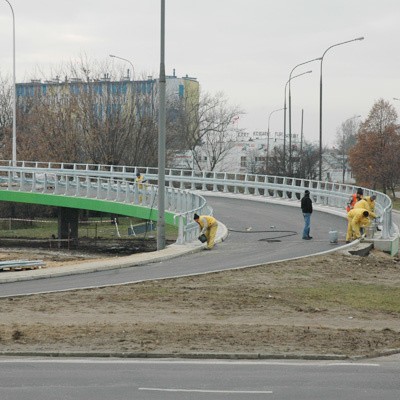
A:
[355,220]
[371,203]
[139,179]
[363,203]
[208,226]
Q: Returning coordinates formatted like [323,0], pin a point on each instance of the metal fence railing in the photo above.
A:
[116,183]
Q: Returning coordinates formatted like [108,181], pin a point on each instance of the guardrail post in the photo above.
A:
[204,186]
[180,239]
[246,189]
[193,185]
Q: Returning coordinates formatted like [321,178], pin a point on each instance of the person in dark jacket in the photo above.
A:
[306,208]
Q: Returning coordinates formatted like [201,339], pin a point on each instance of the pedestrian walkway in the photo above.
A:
[171,251]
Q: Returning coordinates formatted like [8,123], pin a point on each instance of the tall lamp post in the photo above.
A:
[320,101]
[290,111]
[269,119]
[124,59]
[14,127]
[284,117]
[133,80]
[161,139]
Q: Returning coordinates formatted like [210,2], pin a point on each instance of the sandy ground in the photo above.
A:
[275,309]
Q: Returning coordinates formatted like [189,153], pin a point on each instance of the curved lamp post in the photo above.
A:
[14,127]
[161,138]
[290,111]
[320,101]
[123,59]
[290,118]
[284,116]
[269,119]
[133,80]
[395,98]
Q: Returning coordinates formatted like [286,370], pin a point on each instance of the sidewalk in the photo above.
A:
[172,251]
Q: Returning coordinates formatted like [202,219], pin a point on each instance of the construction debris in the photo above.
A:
[20,265]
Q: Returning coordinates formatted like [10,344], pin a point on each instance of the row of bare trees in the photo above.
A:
[120,126]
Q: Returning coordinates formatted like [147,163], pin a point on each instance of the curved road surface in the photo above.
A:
[251,241]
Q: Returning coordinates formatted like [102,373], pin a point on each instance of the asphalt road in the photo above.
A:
[105,379]
[259,232]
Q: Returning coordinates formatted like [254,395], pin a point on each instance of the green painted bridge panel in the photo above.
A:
[83,203]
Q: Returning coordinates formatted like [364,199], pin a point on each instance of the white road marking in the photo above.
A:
[105,360]
[209,391]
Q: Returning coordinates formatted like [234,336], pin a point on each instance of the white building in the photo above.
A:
[249,151]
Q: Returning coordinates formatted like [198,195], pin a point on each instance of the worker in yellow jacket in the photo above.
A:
[356,218]
[366,205]
[208,226]
[371,202]
[139,180]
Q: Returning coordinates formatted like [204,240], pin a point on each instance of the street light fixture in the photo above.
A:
[14,127]
[395,98]
[320,101]
[269,118]
[124,59]
[161,138]
[290,111]
[284,117]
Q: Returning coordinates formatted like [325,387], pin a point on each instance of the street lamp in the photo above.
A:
[320,102]
[124,59]
[290,111]
[395,98]
[14,127]
[161,138]
[269,118]
[284,117]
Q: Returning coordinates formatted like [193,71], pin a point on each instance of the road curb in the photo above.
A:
[200,356]
[170,252]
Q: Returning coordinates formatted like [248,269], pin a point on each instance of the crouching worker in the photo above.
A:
[356,219]
[208,226]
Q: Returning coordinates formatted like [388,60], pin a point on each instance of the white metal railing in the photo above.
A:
[181,203]
[328,194]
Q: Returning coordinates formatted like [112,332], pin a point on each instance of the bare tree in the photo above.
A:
[206,128]
[87,117]
[345,140]
[6,116]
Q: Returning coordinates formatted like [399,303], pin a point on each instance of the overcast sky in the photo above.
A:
[243,48]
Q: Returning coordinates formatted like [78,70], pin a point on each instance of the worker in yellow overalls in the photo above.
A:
[208,226]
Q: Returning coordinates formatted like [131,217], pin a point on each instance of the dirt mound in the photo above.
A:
[334,304]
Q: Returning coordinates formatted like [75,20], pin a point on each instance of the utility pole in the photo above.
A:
[161,140]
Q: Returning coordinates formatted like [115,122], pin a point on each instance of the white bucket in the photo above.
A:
[333,236]
[369,232]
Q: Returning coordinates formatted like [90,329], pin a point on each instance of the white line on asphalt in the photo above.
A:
[106,360]
[209,391]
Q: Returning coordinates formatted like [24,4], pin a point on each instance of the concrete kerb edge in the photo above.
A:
[170,252]
[202,356]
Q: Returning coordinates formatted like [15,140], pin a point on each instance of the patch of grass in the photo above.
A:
[94,228]
[377,298]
